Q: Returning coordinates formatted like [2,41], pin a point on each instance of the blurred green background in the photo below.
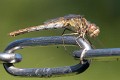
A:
[17,14]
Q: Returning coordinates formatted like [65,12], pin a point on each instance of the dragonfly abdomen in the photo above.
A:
[37,28]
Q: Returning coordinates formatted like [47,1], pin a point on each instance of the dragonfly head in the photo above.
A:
[93,30]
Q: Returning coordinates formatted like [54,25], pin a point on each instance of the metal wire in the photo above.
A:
[44,72]
[100,54]
[54,40]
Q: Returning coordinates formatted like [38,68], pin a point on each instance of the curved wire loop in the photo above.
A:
[45,72]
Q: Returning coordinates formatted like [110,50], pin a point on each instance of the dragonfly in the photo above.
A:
[76,23]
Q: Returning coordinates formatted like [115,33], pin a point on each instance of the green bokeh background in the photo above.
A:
[17,14]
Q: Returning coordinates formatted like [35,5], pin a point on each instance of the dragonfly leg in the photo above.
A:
[70,34]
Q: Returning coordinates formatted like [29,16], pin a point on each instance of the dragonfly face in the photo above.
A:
[93,30]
